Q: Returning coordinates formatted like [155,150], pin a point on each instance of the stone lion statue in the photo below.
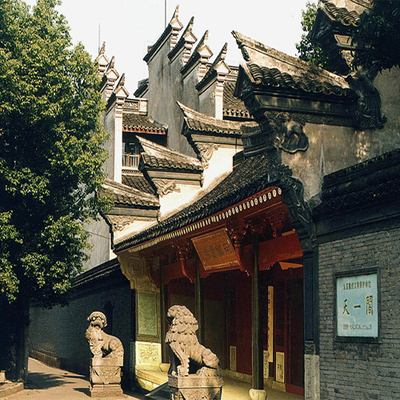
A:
[187,355]
[101,344]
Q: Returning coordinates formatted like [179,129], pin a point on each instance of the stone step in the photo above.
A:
[8,388]
[160,393]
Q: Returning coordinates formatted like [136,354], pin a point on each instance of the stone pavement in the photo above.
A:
[47,383]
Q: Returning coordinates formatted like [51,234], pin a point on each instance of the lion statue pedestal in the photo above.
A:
[195,371]
[108,358]
[193,387]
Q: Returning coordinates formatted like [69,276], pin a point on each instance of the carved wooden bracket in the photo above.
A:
[154,278]
[182,251]
[258,224]
[237,233]
[276,221]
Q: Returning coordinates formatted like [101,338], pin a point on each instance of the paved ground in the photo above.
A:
[47,383]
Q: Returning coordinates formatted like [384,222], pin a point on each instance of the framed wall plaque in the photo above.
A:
[357,305]
[215,250]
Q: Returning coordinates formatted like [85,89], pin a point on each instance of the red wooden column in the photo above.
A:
[199,302]
[257,322]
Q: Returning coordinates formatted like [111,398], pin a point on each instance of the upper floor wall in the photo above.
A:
[320,122]
[181,71]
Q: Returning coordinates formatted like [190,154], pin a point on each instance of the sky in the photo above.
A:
[128,27]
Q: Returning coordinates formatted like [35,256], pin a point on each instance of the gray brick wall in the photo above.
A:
[361,370]
[57,336]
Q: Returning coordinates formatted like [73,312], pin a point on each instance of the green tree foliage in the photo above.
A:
[308,49]
[378,36]
[51,159]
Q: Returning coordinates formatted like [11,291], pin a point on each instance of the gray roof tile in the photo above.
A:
[341,14]
[233,107]
[126,196]
[142,124]
[200,122]
[306,82]
[137,181]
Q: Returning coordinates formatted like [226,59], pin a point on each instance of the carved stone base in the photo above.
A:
[106,391]
[194,387]
[257,394]
[105,371]
[105,378]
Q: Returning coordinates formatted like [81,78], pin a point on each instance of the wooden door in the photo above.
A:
[288,330]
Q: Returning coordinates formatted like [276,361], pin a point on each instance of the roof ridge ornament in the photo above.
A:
[101,61]
[121,82]
[103,48]
[202,43]
[171,33]
[200,56]
[239,40]
[368,113]
[175,18]
[222,54]
[175,26]
[189,28]
[111,64]
[184,45]
[120,91]
[219,69]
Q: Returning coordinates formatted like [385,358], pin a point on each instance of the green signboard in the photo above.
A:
[147,313]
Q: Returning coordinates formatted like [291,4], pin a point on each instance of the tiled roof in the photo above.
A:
[249,177]
[341,14]
[270,67]
[367,184]
[108,270]
[143,85]
[233,107]
[126,196]
[137,181]
[142,124]
[306,82]
[160,157]
[168,163]
[197,121]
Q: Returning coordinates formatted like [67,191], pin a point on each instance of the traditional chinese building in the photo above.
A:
[247,249]
[260,197]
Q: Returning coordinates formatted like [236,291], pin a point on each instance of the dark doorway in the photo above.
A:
[288,329]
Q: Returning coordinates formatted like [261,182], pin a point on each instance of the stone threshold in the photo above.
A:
[8,388]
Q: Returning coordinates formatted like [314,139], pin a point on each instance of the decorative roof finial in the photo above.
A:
[175,15]
[103,48]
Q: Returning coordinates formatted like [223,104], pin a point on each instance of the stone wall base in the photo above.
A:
[311,377]
[60,362]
